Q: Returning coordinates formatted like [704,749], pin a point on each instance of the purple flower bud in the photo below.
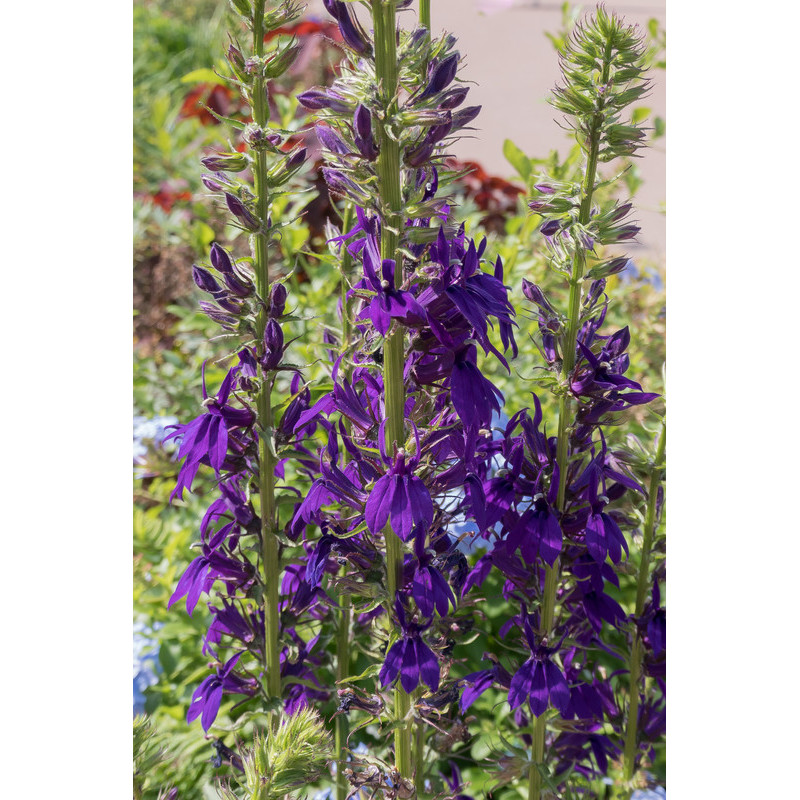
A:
[420,154]
[339,183]
[248,362]
[533,293]
[364,140]
[259,137]
[551,227]
[595,290]
[316,99]
[619,212]
[205,281]
[273,346]
[544,188]
[296,159]
[238,286]
[331,140]
[454,98]
[241,212]
[352,33]
[277,300]
[622,233]
[441,76]
[225,162]
[465,116]
[212,312]
[220,259]
[216,182]
[607,268]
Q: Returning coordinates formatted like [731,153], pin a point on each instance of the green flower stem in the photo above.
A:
[425,14]
[385,25]
[346,264]
[641,592]
[343,631]
[342,672]
[419,752]
[552,574]
[266,459]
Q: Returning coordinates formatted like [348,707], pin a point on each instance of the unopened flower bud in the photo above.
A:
[218,182]
[551,227]
[205,281]
[362,126]
[220,259]
[331,140]
[316,99]
[533,293]
[454,97]
[237,286]
[607,268]
[225,162]
[242,213]
[277,300]
[236,60]
[213,312]
[441,76]
[277,65]
[258,137]
[595,291]
[339,183]
[352,33]
[273,346]
[465,116]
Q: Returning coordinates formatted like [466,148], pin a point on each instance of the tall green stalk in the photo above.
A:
[642,583]
[385,25]
[266,458]
[552,574]
[425,14]
[343,630]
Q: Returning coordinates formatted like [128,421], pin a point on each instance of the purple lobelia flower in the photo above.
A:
[410,657]
[389,303]
[429,588]
[205,438]
[208,695]
[537,533]
[400,495]
[538,680]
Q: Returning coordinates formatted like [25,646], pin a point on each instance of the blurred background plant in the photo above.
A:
[176,95]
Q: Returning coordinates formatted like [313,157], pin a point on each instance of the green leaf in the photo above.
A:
[369,672]
[640,114]
[659,127]
[521,163]
[203,75]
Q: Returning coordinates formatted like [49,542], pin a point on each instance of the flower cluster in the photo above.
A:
[341,515]
[553,511]
[236,435]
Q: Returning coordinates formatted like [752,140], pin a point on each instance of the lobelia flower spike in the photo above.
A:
[407,385]
[252,639]
[551,511]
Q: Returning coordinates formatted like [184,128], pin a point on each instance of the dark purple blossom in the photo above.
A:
[538,680]
[410,658]
[401,496]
